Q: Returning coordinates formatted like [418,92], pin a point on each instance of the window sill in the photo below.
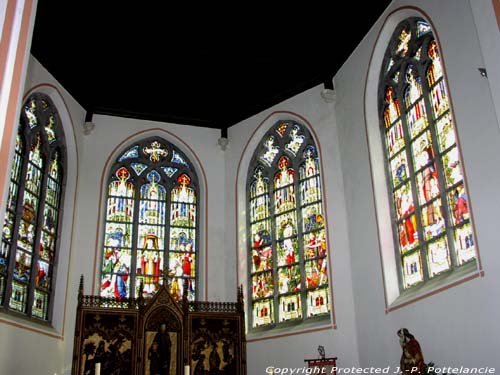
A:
[437,284]
[289,329]
[20,321]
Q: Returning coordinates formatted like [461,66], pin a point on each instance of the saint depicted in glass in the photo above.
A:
[287,249]
[433,228]
[151,223]
[30,232]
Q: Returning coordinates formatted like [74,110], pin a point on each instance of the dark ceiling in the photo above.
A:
[210,68]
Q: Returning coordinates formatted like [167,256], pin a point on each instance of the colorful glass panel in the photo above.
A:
[262,313]
[138,168]
[32,211]
[412,269]
[169,171]
[150,236]
[270,151]
[395,138]
[423,159]
[285,175]
[438,257]
[290,308]
[318,302]
[50,129]
[404,40]
[446,132]
[131,153]
[296,141]
[178,159]
[155,151]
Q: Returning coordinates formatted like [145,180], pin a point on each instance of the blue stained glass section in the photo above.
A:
[177,159]
[130,154]
[169,171]
[310,150]
[153,176]
[422,28]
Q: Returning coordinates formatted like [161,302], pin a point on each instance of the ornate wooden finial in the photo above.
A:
[80,288]
[240,298]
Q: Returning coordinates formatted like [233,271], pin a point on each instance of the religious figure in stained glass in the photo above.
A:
[424,166]
[32,211]
[151,199]
[278,244]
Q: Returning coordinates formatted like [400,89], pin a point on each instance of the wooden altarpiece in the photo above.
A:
[158,336]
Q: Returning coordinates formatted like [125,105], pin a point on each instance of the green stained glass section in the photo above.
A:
[399,169]
[446,132]
[19,296]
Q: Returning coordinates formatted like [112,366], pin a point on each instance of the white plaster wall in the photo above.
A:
[114,135]
[458,326]
[291,350]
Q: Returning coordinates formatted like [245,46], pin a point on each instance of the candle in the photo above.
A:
[97,368]
[186,370]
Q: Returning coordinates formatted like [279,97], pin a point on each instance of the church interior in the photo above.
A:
[190,205]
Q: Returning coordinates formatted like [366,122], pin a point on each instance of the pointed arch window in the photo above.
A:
[433,231]
[28,256]
[151,225]
[287,250]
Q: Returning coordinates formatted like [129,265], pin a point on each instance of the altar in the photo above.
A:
[158,336]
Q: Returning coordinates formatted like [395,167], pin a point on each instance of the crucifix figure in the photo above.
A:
[155,151]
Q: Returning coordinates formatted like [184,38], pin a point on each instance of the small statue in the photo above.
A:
[412,359]
[321,351]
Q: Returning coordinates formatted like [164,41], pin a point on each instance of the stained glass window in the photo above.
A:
[433,230]
[30,232]
[151,229]
[287,250]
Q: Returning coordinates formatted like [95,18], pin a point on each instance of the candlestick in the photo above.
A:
[97,368]
[186,370]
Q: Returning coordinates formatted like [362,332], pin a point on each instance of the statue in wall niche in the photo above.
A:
[412,359]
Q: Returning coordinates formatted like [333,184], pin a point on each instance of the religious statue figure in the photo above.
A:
[412,359]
